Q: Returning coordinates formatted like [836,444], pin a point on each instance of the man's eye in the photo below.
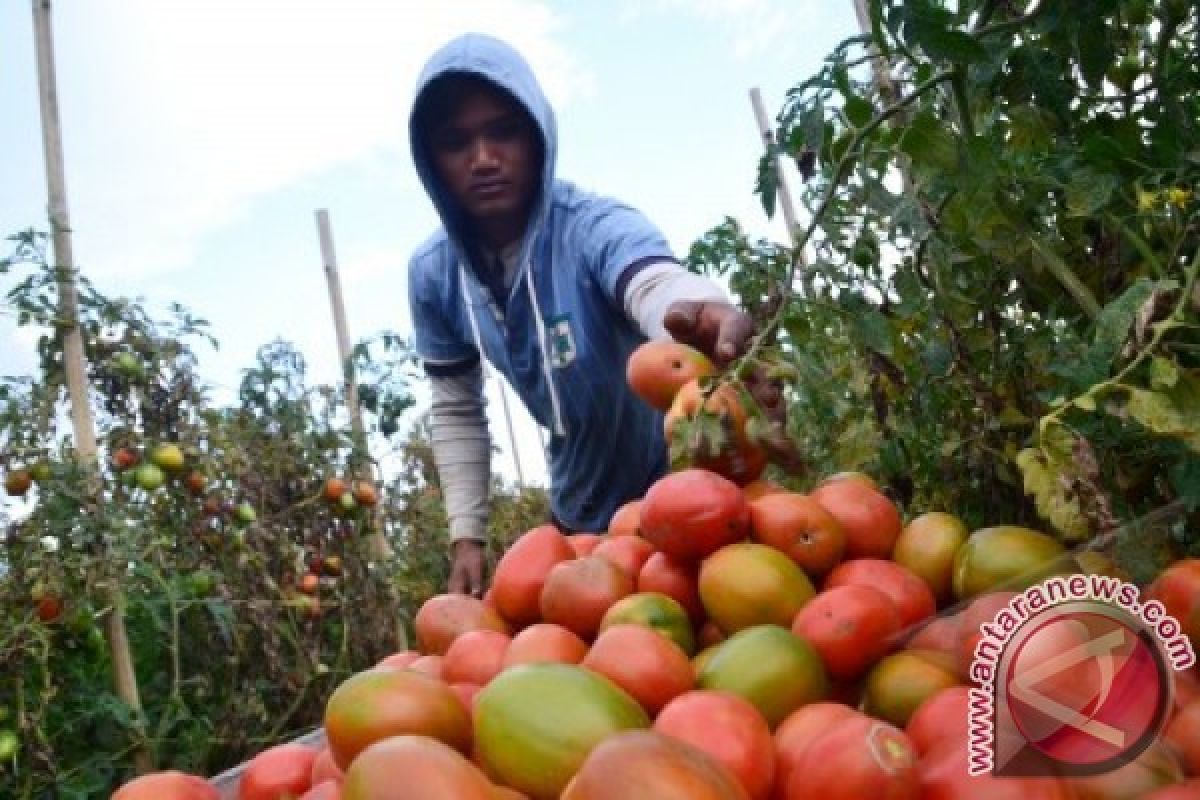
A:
[507,131]
[449,142]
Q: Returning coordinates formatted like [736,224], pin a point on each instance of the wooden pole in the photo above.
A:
[378,542]
[512,438]
[74,364]
[879,65]
[781,185]
[885,87]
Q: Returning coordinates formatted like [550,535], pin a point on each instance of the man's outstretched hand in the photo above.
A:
[719,330]
[466,568]
[723,333]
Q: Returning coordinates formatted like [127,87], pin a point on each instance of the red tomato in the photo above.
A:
[278,773]
[728,728]
[851,627]
[168,785]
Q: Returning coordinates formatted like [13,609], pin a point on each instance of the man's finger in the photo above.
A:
[733,336]
[682,319]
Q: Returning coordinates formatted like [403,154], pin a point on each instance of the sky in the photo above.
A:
[201,136]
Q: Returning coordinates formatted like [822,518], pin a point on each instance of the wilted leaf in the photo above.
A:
[1042,479]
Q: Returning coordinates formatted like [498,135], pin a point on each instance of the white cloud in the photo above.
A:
[753,26]
[194,109]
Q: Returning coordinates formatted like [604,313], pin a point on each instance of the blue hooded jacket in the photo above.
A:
[561,336]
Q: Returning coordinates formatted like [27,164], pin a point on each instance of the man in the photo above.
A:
[555,286]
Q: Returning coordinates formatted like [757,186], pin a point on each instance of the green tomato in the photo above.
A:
[9,744]
[245,513]
[128,365]
[201,584]
[150,477]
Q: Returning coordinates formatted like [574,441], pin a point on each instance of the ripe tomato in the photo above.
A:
[795,734]
[800,527]
[577,593]
[382,702]
[325,790]
[627,520]
[442,618]
[692,513]
[643,662]
[475,657]
[659,766]
[943,716]
[944,776]
[869,519]
[428,768]
[522,570]
[1183,733]
[728,728]
[1178,589]
[281,771]
[629,553]
[584,543]
[857,758]
[657,369]
[663,575]
[545,642]
[167,785]
[851,626]
[912,596]
[325,768]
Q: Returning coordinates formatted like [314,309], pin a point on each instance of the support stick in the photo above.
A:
[74,363]
[378,543]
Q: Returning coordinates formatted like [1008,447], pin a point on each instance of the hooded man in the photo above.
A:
[554,285]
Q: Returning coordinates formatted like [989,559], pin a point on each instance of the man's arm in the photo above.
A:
[462,454]
[655,286]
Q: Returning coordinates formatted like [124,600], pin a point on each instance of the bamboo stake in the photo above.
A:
[881,71]
[73,353]
[781,185]
[512,437]
[379,547]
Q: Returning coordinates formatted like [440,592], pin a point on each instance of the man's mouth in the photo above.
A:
[489,188]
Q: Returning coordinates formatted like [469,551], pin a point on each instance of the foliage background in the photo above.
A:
[995,314]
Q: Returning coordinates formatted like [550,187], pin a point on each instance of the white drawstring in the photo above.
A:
[547,370]
[559,428]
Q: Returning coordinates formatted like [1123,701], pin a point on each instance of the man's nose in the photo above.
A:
[484,154]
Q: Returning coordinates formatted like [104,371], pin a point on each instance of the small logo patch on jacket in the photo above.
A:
[562,341]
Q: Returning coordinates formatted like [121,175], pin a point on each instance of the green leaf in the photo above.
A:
[1174,413]
[931,28]
[1112,326]
[1088,192]
[928,143]
[874,331]
[1164,374]
[858,110]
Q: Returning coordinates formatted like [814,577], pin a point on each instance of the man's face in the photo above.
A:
[486,154]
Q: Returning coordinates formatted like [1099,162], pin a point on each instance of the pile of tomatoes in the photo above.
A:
[724,638]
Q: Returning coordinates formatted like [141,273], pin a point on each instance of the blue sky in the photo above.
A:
[201,135]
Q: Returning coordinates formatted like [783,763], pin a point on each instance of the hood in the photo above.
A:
[495,61]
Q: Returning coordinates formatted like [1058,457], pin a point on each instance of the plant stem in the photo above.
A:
[745,363]
[1069,280]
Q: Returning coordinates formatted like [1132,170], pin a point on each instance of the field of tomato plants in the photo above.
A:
[988,331]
